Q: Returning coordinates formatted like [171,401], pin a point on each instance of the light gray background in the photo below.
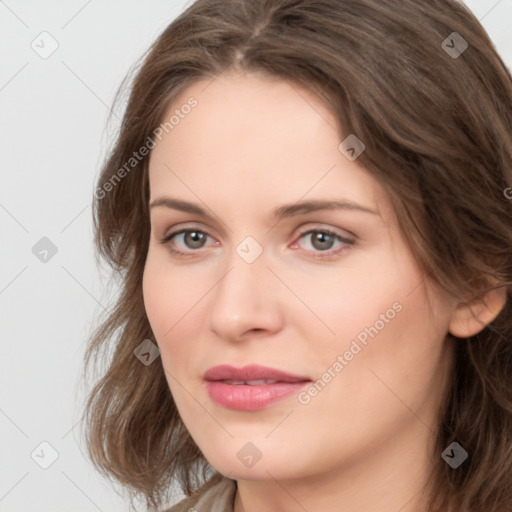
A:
[52,140]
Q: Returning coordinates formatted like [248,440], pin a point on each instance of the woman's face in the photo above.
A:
[329,295]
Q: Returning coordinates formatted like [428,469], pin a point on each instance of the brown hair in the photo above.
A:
[437,128]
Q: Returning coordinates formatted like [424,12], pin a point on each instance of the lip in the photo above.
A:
[251,372]
[246,397]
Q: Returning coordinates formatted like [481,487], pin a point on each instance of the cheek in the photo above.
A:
[156,295]
[173,306]
[385,328]
[393,363]
[355,297]
[166,294]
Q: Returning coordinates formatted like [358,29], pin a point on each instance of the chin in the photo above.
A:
[266,468]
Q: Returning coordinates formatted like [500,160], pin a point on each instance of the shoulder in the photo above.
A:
[216,495]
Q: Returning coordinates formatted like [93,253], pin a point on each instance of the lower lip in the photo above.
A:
[251,398]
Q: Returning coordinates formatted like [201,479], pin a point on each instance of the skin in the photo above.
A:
[254,143]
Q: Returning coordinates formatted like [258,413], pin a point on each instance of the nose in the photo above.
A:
[247,300]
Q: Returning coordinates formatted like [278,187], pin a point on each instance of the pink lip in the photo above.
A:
[250,397]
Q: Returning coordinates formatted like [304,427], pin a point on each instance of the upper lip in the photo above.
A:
[251,372]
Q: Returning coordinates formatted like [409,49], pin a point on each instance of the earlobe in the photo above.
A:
[471,318]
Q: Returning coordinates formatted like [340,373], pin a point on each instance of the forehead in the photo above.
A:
[258,112]
[256,138]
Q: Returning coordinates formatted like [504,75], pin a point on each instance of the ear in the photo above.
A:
[470,318]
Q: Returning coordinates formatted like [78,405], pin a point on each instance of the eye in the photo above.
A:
[188,241]
[191,240]
[322,241]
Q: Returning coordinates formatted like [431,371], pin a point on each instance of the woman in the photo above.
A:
[308,206]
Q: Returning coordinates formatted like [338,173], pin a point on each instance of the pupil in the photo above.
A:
[194,239]
[321,238]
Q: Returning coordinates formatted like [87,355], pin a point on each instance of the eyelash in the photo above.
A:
[328,254]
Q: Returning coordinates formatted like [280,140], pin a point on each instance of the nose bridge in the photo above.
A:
[242,285]
[245,298]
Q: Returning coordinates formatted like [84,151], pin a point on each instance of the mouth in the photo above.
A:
[252,387]
[251,373]
[257,382]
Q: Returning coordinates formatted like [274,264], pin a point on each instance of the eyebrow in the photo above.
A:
[284,211]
